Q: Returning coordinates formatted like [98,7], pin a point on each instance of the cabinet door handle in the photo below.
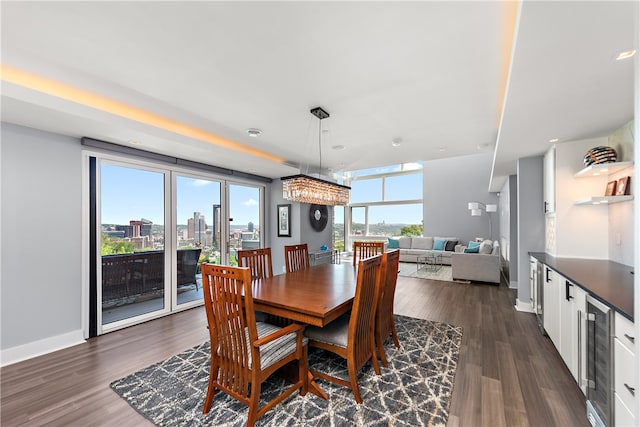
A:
[580,348]
[567,291]
[547,274]
[632,390]
[630,338]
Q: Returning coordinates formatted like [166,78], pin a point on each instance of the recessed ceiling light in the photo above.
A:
[253,132]
[441,149]
[626,54]
[552,140]
[396,142]
[338,147]
[134,142]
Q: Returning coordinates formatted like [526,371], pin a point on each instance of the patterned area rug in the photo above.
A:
[414,390]
[409,269]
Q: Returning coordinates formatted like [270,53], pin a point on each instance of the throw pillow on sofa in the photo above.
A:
[451,245]
[439,244]
[473,244]
[393,243]
[486,247]
[473,250]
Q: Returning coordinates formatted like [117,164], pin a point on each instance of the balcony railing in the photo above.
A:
[130,275]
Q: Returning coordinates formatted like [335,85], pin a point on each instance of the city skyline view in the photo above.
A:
[131,194]
[122,201]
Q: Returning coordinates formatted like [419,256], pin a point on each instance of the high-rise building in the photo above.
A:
[199,228]
[216,226]
[190,228]
[250,226]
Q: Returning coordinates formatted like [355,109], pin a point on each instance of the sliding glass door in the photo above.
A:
[245,208]
[154,227]
[132,243]
[198,236]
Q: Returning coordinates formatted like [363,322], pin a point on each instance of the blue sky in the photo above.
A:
[128,193]
[133,194]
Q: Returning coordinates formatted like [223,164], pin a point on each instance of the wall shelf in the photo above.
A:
[603,200]
[602,169]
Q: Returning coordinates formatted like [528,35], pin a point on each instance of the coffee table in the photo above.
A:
[431,262]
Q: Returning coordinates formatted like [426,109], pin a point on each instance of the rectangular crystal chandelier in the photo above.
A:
[307,189]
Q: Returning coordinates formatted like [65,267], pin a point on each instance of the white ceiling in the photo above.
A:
[430,73]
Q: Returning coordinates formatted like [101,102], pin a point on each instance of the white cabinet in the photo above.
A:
[625,365]
[572,329]
[549,174]
[551,304]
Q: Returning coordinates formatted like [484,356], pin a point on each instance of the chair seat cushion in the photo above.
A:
[336,332]
[275,350]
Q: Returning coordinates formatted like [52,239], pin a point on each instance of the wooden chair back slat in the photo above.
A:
[258,261]
[362,250]
[362,318]
[296,257]
[384,323]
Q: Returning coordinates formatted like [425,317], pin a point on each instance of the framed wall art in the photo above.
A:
[622,188]
[611,188]
[284,220]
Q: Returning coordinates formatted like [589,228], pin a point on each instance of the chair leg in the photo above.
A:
[211,389]
[374,356]
[353,378]
[380,351]
[394,335]
[253,403]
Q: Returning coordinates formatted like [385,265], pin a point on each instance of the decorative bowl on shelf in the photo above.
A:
[600,154]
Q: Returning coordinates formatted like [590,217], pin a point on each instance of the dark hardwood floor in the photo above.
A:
[508,373]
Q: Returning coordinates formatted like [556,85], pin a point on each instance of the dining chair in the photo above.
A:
[258,260]
[351,337]
[244,353]
[384,324]
[296,257]
[362,250]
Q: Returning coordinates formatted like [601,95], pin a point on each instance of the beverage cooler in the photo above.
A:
[599,364]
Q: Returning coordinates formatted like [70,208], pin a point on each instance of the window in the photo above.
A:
[384,201]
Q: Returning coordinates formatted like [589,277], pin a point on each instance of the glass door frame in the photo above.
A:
[168,237]
[262,214]
[175,173]
[170,171]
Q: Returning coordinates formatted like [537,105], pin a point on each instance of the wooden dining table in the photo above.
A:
[313,296]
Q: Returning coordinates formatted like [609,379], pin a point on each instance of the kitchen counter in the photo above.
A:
[608,281]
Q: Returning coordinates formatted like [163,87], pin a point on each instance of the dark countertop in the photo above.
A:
[608,281]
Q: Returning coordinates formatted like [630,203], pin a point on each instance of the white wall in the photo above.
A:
[41,241]
[448,186]
[621,226]
[581,230]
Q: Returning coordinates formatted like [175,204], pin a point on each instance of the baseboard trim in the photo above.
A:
[513,284]
[525,307]
[38,348]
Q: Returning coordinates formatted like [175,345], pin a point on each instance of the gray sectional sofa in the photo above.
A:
[483,266]
[411,247]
